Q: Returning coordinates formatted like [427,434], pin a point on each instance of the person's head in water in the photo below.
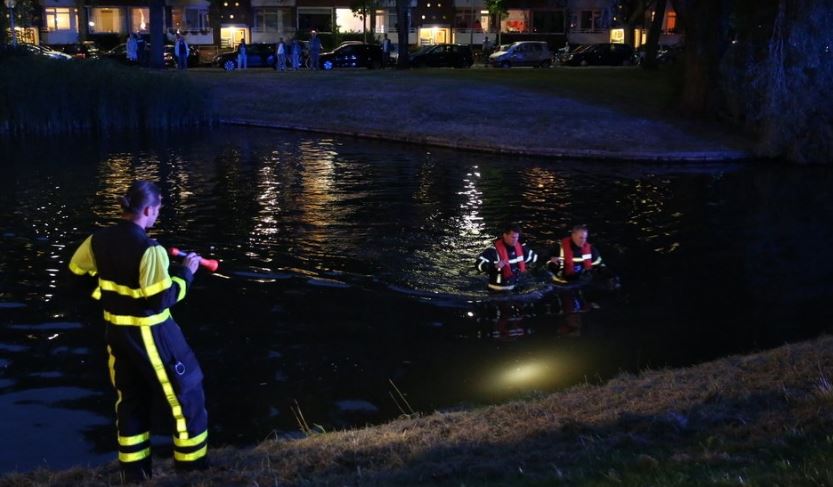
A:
[579,235]
[141,203]
[511,234]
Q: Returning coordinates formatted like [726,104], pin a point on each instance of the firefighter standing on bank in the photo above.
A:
[148,354]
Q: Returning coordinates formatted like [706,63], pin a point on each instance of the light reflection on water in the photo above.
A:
[346,264]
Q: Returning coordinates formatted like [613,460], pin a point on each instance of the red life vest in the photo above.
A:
[587,254]
[503,254]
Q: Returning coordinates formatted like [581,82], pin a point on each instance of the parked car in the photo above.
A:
[605,54]
[193,55]
[26,49]
[523,53]
[443,55]
[352,56]
[258,55]
[666,54]
[82,50]
[119,54]
[562,54]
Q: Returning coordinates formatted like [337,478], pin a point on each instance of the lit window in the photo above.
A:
[57,19]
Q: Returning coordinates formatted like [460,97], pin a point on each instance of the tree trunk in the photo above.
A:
[3,24]
[403,61]
[83,21]
[652,43]
[373,21]
[706,40]
[157,39]
[364,22]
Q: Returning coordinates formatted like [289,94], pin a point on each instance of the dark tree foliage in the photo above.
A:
[777,77]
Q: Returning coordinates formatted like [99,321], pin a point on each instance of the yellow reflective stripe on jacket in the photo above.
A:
[127,320]
[96,293]
[190,457]
[191,441]
[130,292]
[134,457]
[167,388]
[133,440]
[79,271]
[182,288]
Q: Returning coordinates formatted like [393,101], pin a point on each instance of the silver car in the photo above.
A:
[523,53]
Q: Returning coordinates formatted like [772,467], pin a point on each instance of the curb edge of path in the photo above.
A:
[574,154]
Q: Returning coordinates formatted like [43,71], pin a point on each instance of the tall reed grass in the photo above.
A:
[41,96]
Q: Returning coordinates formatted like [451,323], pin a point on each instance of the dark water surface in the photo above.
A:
[349,264]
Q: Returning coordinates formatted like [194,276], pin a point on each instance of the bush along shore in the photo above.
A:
[50,97]
[764,419]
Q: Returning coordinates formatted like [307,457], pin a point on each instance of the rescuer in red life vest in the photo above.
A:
[506,259]
[574,257]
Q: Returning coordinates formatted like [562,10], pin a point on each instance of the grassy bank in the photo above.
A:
[604,112]
[764,419]
[45,97]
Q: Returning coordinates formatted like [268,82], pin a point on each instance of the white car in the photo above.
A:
[524,53]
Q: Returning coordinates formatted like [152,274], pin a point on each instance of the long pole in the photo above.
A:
[11,24]
[471,24]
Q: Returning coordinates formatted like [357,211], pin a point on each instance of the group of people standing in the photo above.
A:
[136,46]
[507,259]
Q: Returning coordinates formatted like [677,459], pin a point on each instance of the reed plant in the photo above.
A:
[41,96]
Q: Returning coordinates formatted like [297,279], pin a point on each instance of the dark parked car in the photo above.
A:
[26,49]
[258,55]
[119,54]
[443,55]
[82,50]
[352,56]
[193,55]
[666,54]
[602,55]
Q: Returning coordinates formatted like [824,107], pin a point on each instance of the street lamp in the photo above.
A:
[10,5]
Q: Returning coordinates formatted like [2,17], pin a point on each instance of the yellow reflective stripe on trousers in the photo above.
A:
[182,288]
[133,440]
[134,457]
[128,320]
[130,292]
[111,363]
[190,457]
[162,375]
[191,441]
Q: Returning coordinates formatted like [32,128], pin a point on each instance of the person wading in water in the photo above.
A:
[148,355]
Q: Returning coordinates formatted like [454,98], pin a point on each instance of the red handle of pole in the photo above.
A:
[209,264]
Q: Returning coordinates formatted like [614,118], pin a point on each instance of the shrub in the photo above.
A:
[41,96]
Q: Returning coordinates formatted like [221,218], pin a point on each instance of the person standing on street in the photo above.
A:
[314,50]
[181,52]
[386,49]
[280,51]
[242,58]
